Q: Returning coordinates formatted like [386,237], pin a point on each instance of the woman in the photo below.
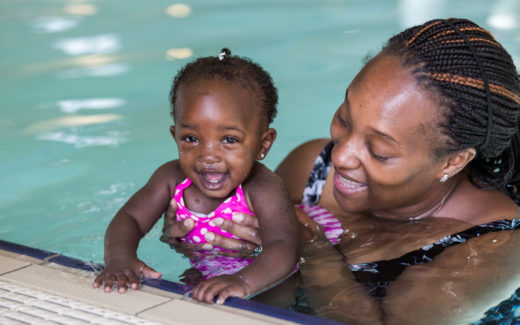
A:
[425,150]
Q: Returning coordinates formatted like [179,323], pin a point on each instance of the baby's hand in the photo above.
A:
[124,274]
[223,286]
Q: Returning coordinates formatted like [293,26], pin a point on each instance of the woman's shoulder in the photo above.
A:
[297,166]
[481,206]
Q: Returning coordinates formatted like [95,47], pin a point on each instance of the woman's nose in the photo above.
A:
[345,154]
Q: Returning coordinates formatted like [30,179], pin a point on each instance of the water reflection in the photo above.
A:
[111,138]
[83,9]
[502,16]
[179,53]
[178,10]
[74,105]
[100,44]
[56,24]
[68,121]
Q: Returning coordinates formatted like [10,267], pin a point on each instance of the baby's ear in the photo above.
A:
[267,140]
[172,131]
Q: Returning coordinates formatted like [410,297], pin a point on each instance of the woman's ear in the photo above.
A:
[266,142]
[456,162]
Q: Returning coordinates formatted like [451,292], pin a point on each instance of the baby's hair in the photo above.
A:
[478,86]
[233,69]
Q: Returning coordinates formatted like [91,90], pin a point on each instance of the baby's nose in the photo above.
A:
[210,154]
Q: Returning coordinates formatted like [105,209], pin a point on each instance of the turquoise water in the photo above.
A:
[84,94]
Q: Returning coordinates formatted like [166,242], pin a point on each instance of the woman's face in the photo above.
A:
[383,134]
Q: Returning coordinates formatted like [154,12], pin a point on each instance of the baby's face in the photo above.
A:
[218,131]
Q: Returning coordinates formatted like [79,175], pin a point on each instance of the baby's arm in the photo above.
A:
[129,225]
[279,234]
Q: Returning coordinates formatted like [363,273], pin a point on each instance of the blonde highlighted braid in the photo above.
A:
[477,81]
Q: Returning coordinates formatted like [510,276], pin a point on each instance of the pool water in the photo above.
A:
[84,85]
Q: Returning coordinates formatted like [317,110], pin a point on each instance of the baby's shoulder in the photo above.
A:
[169,172]
[263,182]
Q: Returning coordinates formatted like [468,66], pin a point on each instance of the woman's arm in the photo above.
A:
[330,285]
[459,285]
[296,168]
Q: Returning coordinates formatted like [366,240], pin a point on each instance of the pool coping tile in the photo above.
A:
[160,293]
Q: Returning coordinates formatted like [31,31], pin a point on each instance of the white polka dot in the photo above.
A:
[211,223]
[203,231]
[227,200]
[227,210]
[196,239]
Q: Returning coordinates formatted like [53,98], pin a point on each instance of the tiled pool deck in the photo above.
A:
[40,287]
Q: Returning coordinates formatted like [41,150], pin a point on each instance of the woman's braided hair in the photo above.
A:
[445,55]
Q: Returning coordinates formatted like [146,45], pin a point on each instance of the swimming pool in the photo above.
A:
[84,94]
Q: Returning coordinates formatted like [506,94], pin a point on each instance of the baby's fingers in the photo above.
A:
[150,273]
[98,281]
[105,278]
[229,291]
[207,290]
[121,280]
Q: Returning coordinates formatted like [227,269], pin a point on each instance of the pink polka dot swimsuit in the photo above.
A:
[212,265]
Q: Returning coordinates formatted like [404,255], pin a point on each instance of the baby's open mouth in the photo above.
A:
[212,180]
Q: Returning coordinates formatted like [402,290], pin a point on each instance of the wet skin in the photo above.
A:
[380,183]
[220,133]
[384,175]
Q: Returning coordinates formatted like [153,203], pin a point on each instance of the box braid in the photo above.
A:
[478,84]
[234,69]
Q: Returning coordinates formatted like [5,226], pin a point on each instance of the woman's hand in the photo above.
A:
[243,226]
[124,273]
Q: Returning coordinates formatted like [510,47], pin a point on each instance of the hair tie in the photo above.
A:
[223,53]
[484,78]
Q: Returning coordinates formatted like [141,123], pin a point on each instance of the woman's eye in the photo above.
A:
[230,140]
[378,157]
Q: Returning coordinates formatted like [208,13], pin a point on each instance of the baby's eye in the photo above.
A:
[190,138]
[230,140]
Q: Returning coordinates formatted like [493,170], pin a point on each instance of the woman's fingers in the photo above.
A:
[172,229]
[309,228]
[246,220]
[172,210]
[230,243]
[246,231]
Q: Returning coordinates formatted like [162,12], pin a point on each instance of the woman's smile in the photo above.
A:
[347,186]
